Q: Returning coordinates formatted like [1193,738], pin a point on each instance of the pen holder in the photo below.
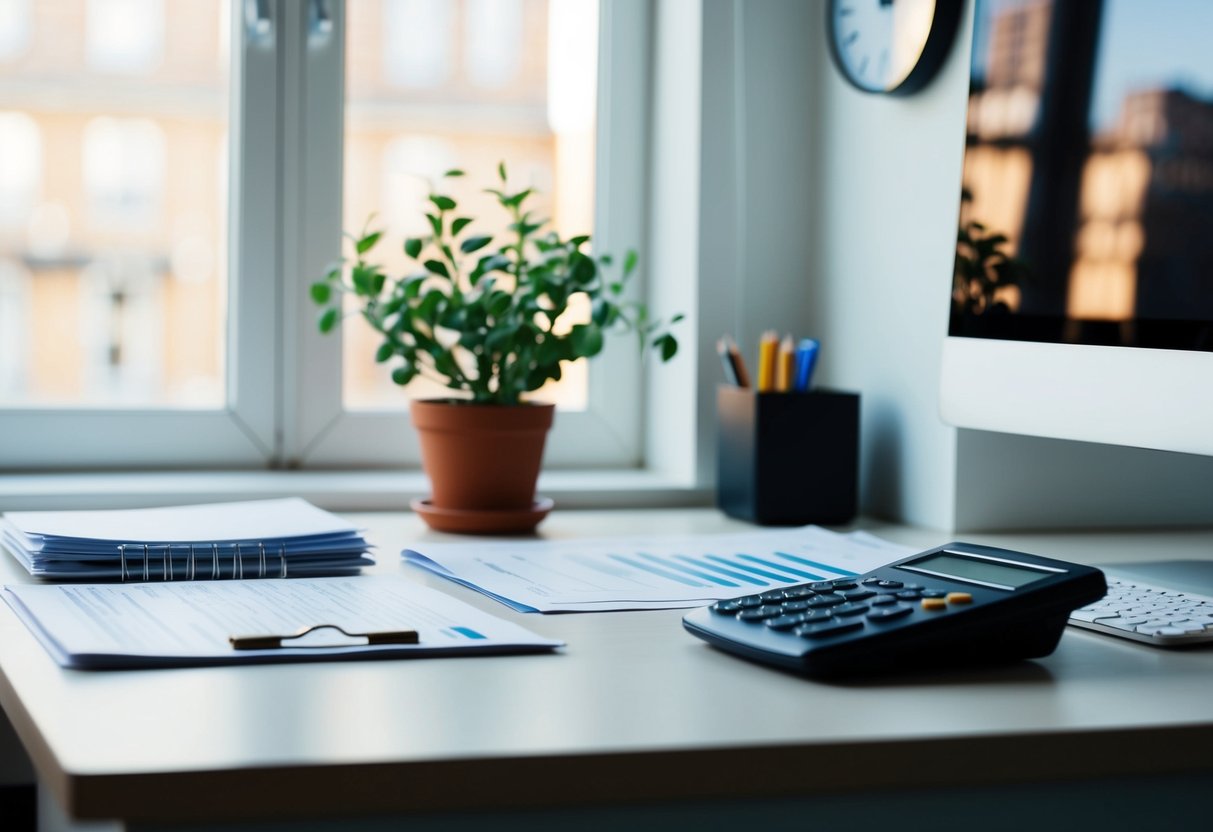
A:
[787,458]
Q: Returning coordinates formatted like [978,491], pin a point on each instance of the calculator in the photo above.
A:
[956,604]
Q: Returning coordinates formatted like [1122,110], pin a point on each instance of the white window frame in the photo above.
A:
[242,433]
[284,379]
[318,431]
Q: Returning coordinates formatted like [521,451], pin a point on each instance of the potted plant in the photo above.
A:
[480,316]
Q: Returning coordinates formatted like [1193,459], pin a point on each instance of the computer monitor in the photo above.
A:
[1082,299]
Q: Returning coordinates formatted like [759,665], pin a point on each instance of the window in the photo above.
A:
[14,27]
[416,42]
[124,36]
[167,194]
[20,168]
[124,172]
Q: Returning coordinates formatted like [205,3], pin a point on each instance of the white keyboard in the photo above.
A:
[1145,612]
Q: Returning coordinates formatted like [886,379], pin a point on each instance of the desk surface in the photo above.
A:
[632,701]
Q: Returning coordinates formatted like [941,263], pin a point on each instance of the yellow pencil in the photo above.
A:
[785,366]
[767,348]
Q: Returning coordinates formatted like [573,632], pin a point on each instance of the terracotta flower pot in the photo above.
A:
[482,462]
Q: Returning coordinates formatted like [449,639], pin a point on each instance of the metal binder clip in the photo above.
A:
[145,556]
[122,562]
[282,560]
[166,573]
[271,642]
[261,558]
[214,561]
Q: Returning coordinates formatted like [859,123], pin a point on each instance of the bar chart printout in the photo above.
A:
[652,572]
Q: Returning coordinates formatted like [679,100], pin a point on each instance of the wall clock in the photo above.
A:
[891,46]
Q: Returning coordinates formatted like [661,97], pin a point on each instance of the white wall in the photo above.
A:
[887,186]
[846,228]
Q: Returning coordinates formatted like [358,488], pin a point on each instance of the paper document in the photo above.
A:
[177,624]
[254,539]
[652,572]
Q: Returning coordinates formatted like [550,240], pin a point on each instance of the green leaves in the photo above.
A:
[329,318]
[472,244]
[491,322]
[437,267]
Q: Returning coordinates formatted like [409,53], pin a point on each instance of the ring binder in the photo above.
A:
[191,561]
[171,543]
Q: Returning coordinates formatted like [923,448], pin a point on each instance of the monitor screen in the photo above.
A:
[1086,223]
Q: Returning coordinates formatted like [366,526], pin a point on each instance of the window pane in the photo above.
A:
[113,194]
[434,85]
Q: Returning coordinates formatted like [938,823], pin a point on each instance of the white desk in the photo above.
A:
[634,711]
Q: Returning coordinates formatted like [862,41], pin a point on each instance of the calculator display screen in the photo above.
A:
[951,565]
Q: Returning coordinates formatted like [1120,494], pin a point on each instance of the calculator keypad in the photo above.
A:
[827,608]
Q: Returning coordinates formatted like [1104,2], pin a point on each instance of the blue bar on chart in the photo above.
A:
[738,571]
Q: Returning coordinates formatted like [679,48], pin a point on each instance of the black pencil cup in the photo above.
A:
[787,458]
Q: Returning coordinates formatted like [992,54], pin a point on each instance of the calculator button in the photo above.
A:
[858,594]
[822,586]
[932,604]
[850,609]
[889,613]
[773,595]
[794,606]
[933,593]
[759,613]
[726,607]
[872,580]
[829,628]
[784,622]
[883,600]
[890,584]
[959,598]
[910,594]
[801,591]
[749,601]
[813,616]
[844,583]
[826,601]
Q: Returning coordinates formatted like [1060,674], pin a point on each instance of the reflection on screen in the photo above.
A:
[1087,209]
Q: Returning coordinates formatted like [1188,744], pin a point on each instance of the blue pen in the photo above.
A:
[806,357]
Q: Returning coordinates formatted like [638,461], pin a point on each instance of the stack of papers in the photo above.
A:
[97,626]
[258,539]
[629,573]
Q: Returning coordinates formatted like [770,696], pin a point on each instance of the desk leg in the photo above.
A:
[52,818]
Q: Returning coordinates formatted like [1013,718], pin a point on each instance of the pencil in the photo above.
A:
[767,348]
[785,365]
[739,368]
[726,362]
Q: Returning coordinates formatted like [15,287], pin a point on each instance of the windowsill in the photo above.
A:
[333,490]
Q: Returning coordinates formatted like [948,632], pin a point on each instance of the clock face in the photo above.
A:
[891,46]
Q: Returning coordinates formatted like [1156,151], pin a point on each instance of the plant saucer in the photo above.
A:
[473,521]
